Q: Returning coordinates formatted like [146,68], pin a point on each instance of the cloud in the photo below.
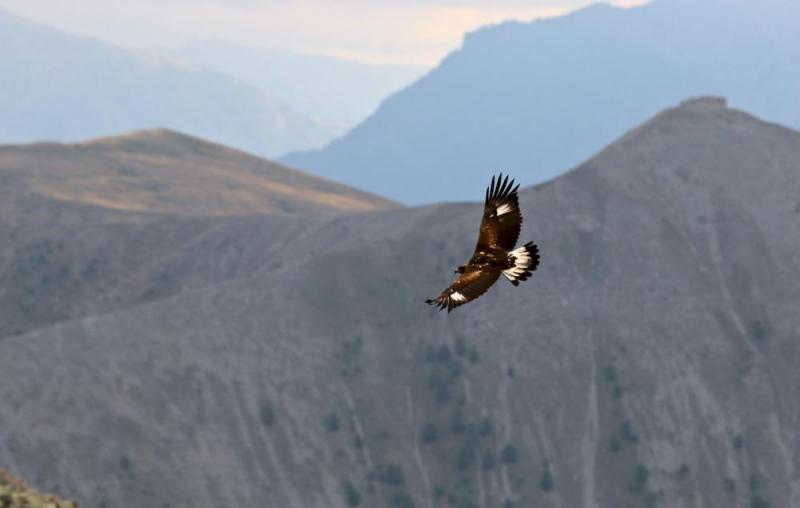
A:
[382,31]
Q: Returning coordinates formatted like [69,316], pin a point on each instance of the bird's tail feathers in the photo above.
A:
[526,260]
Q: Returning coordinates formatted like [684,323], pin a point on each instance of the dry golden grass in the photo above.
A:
[162,172]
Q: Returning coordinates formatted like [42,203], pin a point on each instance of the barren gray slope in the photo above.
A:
[651,361]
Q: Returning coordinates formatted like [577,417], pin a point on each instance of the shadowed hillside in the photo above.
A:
[648,363]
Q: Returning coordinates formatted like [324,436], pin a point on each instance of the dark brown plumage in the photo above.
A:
[494,254]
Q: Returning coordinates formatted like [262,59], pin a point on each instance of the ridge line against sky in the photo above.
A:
[397,32]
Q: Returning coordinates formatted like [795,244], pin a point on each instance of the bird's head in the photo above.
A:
[461,269]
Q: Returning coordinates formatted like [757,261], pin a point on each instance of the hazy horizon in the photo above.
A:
[388,32]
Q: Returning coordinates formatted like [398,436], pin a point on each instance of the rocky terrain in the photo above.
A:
[14,493]
[289,361]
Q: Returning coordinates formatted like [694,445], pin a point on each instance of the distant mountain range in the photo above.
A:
[289,361]
[336,93]
[535,99]
[66,88]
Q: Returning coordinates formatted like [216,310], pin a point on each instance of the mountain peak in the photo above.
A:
[705,102]
[153,140]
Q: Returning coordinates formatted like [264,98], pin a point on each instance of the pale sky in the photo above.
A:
[380,31]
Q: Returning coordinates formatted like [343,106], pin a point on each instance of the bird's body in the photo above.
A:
[494,254]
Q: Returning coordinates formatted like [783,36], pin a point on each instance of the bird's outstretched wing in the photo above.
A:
[468,286]
[502,219]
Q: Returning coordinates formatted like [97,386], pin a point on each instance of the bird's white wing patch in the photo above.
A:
[458,297]
[504,209]
[522,261]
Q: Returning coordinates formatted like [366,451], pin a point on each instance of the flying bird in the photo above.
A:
[495,254]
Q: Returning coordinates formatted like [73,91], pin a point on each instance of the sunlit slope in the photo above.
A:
[167,173]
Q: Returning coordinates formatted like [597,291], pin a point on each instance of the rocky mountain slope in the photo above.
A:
[67,88]
[538,98]
[649,363]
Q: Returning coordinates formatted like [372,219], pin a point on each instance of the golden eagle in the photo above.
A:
[495,253]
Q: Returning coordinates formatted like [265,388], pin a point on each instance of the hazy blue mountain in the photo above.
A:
[535,99]
[335,92]
[61,87]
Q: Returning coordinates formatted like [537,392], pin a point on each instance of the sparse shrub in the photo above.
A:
[473,356]
[640,478]
[614,444]
[627,433]
[457,423]
[738,442]
[429,433]
[510,373]
[465,457]
[617,392]
[351,495]
[267,414]
[401,500]
[488,460]
[461,346]
[757,501]
[759,330]
[546,482]
[729,483]
[332,422]
[443,354]
[610,374]
[125,464]
[651,501]
[683,471]
[509,454]
[485,428]
[438,491]
[390,474]
[440,385]
[453,371]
